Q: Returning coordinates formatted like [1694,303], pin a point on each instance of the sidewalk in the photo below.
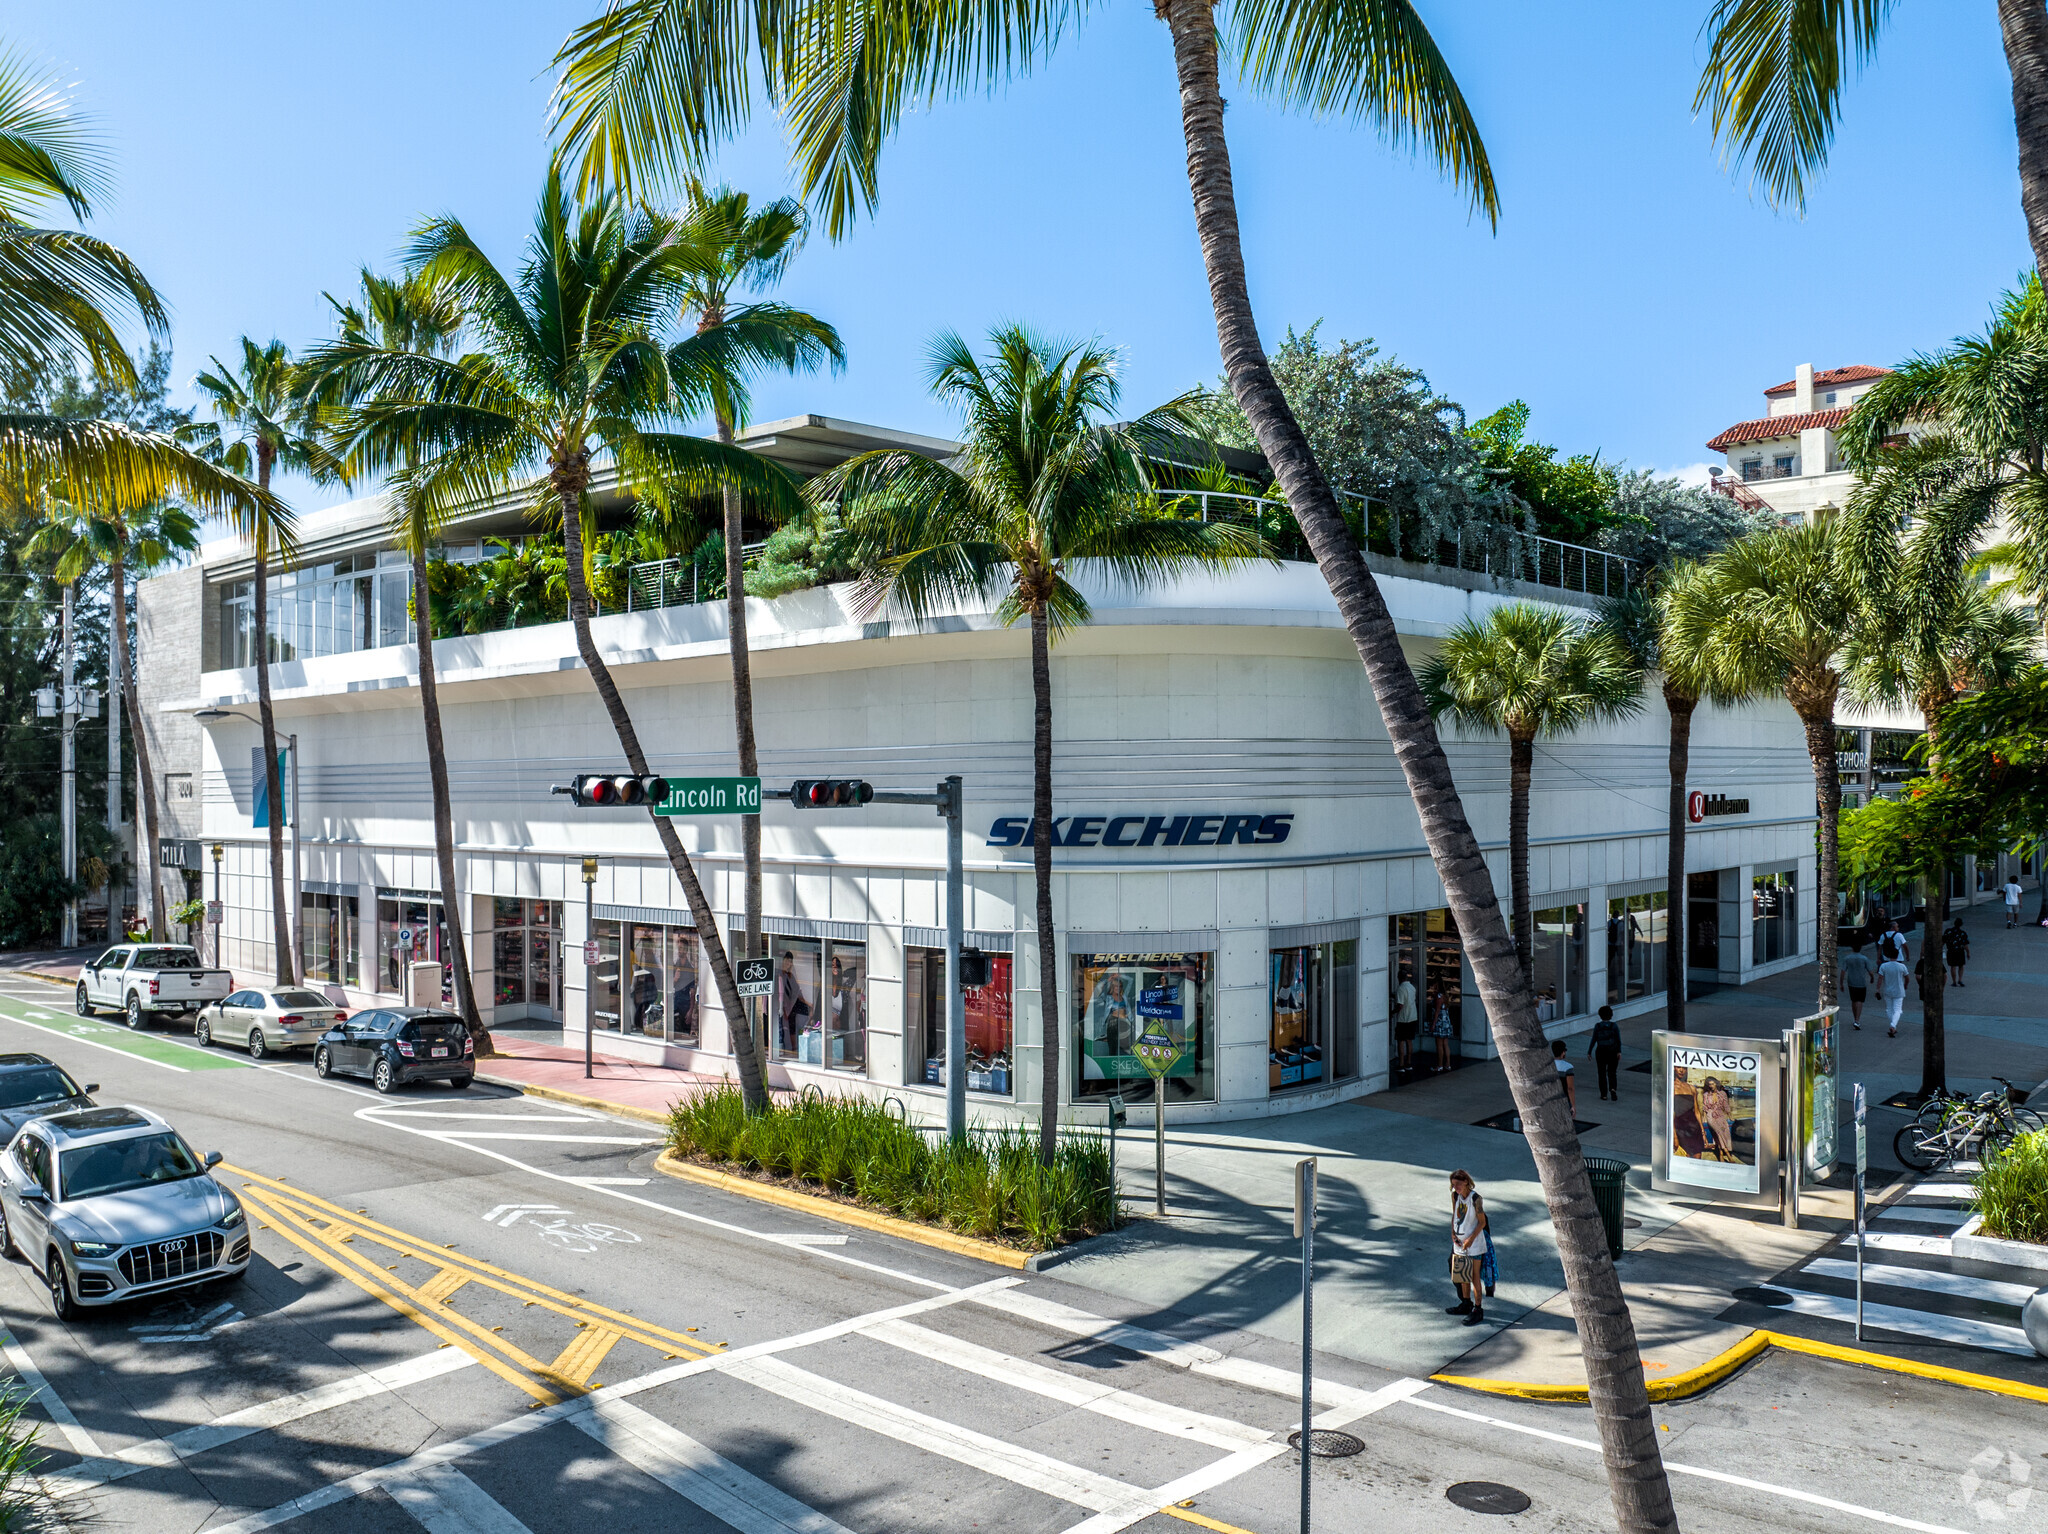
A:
[640,1091]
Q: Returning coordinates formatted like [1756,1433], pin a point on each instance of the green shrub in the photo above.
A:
[24,1501]
[2012,1190]
[990,1185]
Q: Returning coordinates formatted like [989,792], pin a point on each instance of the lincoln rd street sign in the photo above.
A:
[711,796]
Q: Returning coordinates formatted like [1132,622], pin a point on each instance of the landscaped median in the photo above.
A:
[852,1160]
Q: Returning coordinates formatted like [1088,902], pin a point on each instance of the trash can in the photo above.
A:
[1610,1188]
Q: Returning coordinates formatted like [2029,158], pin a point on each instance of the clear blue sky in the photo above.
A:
[1635,294]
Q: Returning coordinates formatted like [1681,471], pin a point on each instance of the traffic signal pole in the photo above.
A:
[67,768]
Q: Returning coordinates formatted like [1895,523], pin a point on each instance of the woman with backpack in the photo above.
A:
[1470,1244]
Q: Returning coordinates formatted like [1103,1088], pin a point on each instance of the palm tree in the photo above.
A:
[405,314]
[75,538]
[1935,634]
[1773,86]
[1043,483]
[263,421]
[568,365]
[1527,669]
[748,248]
[1783,604]
[1668,630]
[648,88]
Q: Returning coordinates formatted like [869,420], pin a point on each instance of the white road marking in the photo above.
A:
[261,1418]
[442,1500]
[641,1182]
[1888,1241]
[1931,1279]
[81,1441]
[731,1495]
[1208,1478]
[78,1037]
[1928,1216]
[1940,1190]
[200,1330]
[509,1215]
[440,1113]
[1916,1323]
[813,1240]
[1089,1395]
[457,1136]
[1814,1499]
[1135,1339]
[979,1451]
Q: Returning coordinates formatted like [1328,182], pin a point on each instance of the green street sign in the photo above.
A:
[711,796]
[1157,1051]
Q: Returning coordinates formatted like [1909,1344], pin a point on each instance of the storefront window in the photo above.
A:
[652,989]
[1703,917]
[989,1037]
[1423,950]
[333,946]
[1558,947]
[606,1003]
[1118,996]
[818,1011]
[417,913]
[683,984]
[1638,947]
[645,1004]
[1774,918]
[1314,1028]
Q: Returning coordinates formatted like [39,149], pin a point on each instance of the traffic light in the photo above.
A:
[830,793]
[590,791]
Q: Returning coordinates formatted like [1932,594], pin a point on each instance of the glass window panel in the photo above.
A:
[682,984]
[606,1004]
[795,1007]
[1558,949]
[544,969]
[1119,995]
[507,913]
[391,613]
[846,1006]
[508,967]
[646,1006]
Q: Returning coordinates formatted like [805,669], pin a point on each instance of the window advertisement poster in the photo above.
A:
[1125,996]
[1819,1108]
[1718,1108]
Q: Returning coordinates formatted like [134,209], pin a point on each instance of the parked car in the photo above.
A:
[33,1086]
[111,1204]
[396,1045]
[265,1020]
[145,980]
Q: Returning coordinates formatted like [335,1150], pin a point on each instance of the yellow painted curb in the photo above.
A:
[577,1099]
[1692,1382]
[845,1214]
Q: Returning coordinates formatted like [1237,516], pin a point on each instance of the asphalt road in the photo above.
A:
[476,1313]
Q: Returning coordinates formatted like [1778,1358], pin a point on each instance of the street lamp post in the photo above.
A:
[589,940]
[220,911]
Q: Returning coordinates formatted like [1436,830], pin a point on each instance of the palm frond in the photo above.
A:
[46,150]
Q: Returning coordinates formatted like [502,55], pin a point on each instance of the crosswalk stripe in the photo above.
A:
[74,1431]
[1137,1339]
[480,1134]
[1089,1395]
[1940,1190]
[1927,1215]
[1895,1241]
[686,1467]
[1933,1280]
[978,1451]
[1916,1323]
[442,1500]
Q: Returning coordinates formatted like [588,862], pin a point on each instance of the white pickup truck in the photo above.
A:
[146,979]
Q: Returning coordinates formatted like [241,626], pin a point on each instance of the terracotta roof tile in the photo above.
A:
[1855,373]
[1774,426]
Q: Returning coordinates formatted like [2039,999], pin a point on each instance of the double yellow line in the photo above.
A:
[330,1234]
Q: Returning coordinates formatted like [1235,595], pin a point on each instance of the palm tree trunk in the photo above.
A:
[145,852]
[1521,770]
[1614,1368]
[1680,708]
[286,965]
[1051,1020]
[444,817]
[1933,969]
[742,694]
[2024,24]
[1827,782]
[752,1086]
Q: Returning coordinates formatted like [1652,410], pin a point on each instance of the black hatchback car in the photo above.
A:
[396,1045]
[35,1086]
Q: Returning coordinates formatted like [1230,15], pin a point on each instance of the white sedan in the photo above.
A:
[290,1018]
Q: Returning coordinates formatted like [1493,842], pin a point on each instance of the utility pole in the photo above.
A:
[68,772]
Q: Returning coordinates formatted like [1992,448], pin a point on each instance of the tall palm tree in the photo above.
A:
[569,365]
[748,249]
[1528,669]
[1784,603]
[1934,635]
[1773,87]
[1043,484]
[76,537]
[648,88]
[261,422]
[404,314]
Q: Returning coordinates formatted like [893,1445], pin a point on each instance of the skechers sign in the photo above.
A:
[1148,830]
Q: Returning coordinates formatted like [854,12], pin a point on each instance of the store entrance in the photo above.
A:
[1426,974]
[1702,931]
[526,960]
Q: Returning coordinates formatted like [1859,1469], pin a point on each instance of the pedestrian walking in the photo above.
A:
[2012,900]
[1439,1028]
[1469,1246]
[1955,951]
[1605,1049]
[1404,1023]
[1856,970]
[1892,976]
[1564,1069]
[1892,944]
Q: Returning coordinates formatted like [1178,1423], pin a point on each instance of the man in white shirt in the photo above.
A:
[1404,1023]
[1892,979]
[2012,902]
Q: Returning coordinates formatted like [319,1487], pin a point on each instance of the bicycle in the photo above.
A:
[2008,1105]
[1966,1132]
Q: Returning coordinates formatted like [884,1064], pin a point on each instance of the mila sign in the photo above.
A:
[1147,830]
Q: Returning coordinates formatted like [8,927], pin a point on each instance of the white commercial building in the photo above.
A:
[1787,459]
[1238,853]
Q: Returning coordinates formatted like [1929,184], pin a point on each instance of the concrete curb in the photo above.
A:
[845,1214]
[576,1099]
[1695,1381]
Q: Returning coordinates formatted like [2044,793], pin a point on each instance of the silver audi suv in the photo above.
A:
[111,1204]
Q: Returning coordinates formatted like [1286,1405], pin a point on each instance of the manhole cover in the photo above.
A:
[1757,1296]
[1488,1497]
[1323,1444]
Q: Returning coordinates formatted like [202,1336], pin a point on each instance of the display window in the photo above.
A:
[411,928]
[333,946]
[818,1009]
[646,981]
[1638,946]
[1558,961]
[1426,981]
[990,1039]
[606,1001]
[1314,995]
[1774,916]
[1119,996]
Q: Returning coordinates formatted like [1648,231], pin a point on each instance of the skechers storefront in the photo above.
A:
[1237,860]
